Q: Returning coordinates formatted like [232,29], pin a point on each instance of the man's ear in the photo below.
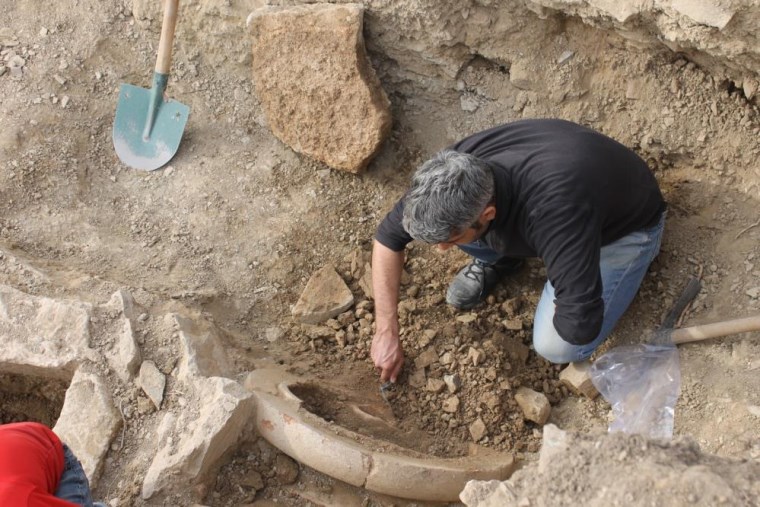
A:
[488,214]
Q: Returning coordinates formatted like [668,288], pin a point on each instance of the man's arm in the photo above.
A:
[386,349]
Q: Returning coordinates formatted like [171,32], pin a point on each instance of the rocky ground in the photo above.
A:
[230,232]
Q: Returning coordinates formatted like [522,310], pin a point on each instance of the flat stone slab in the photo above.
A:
[88,422]
[42,336]
[152,382]
[191,444]
[203,353]
[315,82]
[124,356]
[326,296]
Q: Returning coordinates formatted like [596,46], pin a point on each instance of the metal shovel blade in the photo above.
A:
[147,129]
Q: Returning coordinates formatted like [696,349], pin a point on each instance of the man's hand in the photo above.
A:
[387,355]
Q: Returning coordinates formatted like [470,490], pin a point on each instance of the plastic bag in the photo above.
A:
[642,384]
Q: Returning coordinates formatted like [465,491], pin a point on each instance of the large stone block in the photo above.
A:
[42,336]
[191,444]
[88,421]
[316,84]
[203,353]
[124,356]
[325,296]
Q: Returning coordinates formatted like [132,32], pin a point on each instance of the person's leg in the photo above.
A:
[476,280]
[623,265]
[74,486]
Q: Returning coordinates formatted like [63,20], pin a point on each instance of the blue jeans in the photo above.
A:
[74,486]
[623,265]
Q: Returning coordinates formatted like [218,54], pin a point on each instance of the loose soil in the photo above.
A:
[233,228]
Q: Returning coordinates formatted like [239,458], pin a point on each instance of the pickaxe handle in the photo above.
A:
[716,329]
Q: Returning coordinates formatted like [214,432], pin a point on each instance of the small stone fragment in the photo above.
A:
[453,382]
[476,356]
[565,56]
[477,429]
[513,324]
[286,469]
[512,306]
[534,405]
[451,404]
[435,385]
[576,377]
[417,378]
[467,318]
[426,358]
[153,382]
[252,480]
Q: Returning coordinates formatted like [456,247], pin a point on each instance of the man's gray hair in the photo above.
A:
[447,195]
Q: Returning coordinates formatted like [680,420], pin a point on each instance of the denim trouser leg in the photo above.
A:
[74,486]
[623,265]
[481,251]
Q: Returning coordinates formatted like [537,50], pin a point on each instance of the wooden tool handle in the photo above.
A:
[164,60]
[705,331]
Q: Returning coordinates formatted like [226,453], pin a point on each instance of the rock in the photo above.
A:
[577,377]
[513,324]
[467,318]
[200,438]
[16,62]
[565,56]
[708,13]
[88,421]
[447,358]
[750,87]
[124,357]
[477,356]
[477,429]
[535,406]
[252,480]
[453,382]
[512,306]
[554,443]
[427,336]
[488,494]
[152,382]
[316,84]
[417,378]
[325,296]
[451,404]
[272,334]
[522,75]
[202,352]
[365,282]
[426,358]
[42,336]
[435,385]
[469,102]
[633,89]
[754,292]
[285,469]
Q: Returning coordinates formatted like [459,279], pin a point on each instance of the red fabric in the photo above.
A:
[31,464]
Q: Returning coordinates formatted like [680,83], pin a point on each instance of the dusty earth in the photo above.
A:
[236,224]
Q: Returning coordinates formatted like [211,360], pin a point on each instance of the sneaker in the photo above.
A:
[476,280]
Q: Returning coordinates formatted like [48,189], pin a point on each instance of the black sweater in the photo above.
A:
[562,192]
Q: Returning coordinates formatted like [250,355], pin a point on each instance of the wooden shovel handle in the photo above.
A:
[705,331]
[164,59]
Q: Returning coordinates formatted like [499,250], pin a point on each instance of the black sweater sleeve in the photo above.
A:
[567,237]
[391,232]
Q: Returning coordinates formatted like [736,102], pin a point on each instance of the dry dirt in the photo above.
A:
[235,225]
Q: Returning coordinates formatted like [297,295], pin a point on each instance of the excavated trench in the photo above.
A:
[239,224]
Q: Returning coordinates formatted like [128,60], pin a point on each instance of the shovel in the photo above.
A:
[147,129]
[642,382]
